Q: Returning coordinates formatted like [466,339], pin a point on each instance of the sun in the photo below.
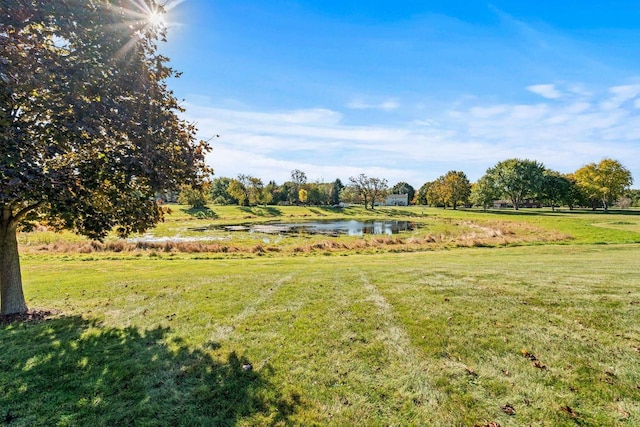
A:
[156,19]
[144,17]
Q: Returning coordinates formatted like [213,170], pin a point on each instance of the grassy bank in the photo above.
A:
[202,231]
[533,333]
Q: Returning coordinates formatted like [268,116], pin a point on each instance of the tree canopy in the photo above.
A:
[370,189]
[484,192]
[452,189]
[334,193]
[89,128]
[603,182]
[421,196]
[556,189]
[239,189]
[196,197]
[404,188]
[220,191]
[516,179]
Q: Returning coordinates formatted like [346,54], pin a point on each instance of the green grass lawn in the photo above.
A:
[523,334]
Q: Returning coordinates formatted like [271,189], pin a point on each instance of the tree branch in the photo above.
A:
[24,211]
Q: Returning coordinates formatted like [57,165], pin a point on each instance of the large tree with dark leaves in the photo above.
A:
[89,130]
[516,179]
[404,188]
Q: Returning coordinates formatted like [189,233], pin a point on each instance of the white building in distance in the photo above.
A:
[397,200]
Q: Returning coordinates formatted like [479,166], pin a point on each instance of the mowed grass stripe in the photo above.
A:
[339,348]
[411,375]
[224,329]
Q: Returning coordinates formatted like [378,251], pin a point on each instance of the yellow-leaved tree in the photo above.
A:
[603,182]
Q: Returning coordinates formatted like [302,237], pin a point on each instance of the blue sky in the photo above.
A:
[408,90]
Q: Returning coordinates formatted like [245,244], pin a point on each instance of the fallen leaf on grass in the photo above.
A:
[30,316]
[508,409]
[624,413]
[569,411]
[491,424]
[471,372]
[609,377]
[539,365]
[528,355]
[607,380]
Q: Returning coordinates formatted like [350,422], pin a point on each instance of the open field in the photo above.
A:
[542,328]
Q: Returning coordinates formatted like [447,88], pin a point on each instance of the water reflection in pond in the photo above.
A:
[343,227]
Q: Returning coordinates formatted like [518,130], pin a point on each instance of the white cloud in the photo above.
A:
[625,91]
[620,95]
[529,112]
[579,90]
[387,105]
[426,122]
[546,91]
[564,135]
[577,107]
[487,112]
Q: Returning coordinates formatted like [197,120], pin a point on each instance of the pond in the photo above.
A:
[329,227]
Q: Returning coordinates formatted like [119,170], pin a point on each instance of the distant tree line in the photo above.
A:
[512,182]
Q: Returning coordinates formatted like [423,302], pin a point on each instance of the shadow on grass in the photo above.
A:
[72,371]
[317,211]
[631,212]
[402,213]
[557,212]
[200,212]
[324,210]
[261,210]
[512,212]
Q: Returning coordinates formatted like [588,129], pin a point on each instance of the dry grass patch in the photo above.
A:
[441,233]
[122,246]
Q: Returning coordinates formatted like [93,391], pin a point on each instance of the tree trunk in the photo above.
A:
[11,295]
